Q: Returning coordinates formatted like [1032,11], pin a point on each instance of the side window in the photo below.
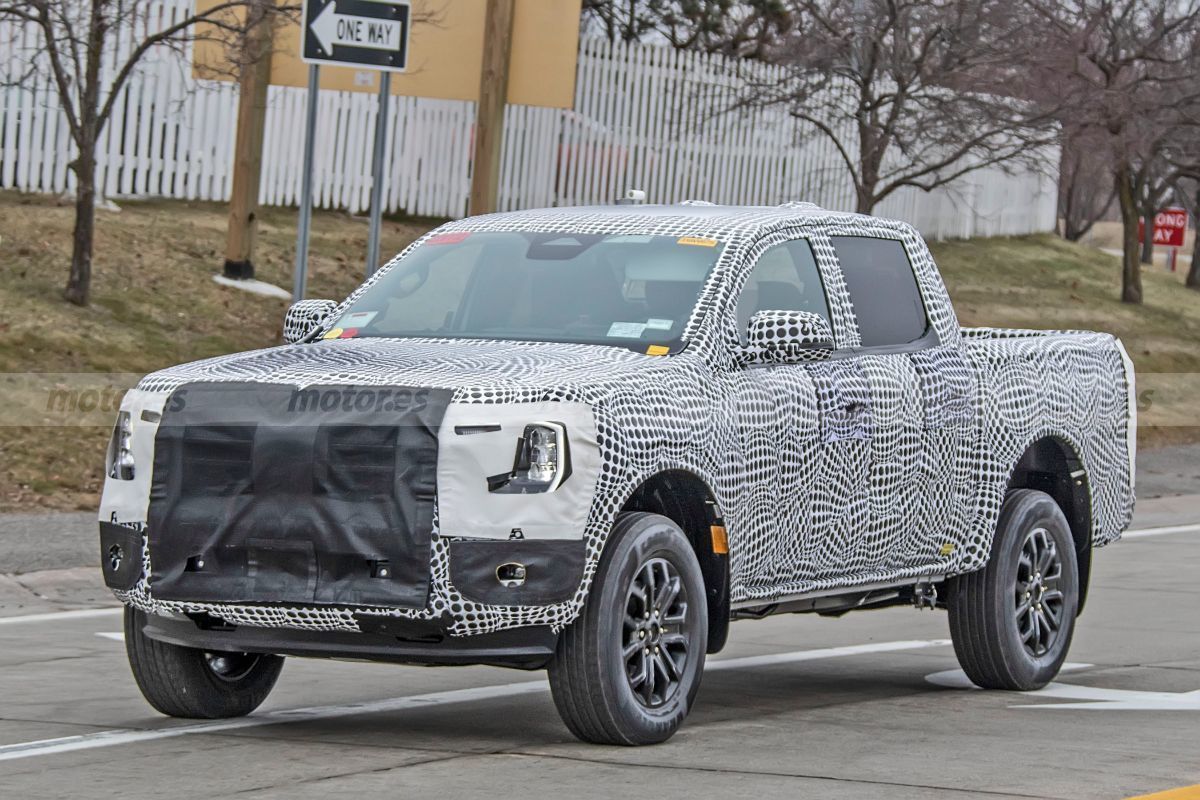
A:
[785,278]
[883,290]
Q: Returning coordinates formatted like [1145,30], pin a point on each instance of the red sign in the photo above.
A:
[1170,225]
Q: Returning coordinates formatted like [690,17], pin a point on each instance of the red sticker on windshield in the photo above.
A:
[448,238]
[349,333]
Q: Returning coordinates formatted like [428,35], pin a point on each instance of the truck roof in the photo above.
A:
[687,218]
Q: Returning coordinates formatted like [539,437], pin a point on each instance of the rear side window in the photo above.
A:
[883,290]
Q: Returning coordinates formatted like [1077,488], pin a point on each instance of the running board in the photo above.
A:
[834,600]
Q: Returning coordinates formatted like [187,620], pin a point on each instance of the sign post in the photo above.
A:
[300,281]
[358,33]
[377,166]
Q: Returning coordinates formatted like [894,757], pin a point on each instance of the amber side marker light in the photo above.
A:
[720,542]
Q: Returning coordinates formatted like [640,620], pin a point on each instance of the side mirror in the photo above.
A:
[305,317]
[787,337]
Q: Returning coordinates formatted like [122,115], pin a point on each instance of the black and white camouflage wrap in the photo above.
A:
[786,337]
[848,471]
[304,316]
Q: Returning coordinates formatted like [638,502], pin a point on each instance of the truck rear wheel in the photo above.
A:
[197,684]
[1012,621]
[627,670]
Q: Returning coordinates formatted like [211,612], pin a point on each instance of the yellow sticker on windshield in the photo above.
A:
[657,350]
[333,334]
[698,241]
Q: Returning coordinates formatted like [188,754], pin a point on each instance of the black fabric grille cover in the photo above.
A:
[270,493]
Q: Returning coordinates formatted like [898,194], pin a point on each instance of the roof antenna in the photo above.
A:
[633,197]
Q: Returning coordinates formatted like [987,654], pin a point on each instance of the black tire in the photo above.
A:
[194,684]
[1002,618]
[589,677]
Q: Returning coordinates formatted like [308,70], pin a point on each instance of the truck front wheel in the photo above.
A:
[627,670]
[1012,621]
[197,684]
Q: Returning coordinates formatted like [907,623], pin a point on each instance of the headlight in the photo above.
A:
[121,466]
[541,464]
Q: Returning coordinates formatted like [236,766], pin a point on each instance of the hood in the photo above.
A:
[512,371]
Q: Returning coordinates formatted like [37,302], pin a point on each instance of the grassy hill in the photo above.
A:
[155,304]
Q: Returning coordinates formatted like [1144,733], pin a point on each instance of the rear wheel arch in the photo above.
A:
[1051,464]
[686,499]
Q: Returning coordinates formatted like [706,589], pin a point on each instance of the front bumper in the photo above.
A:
[391,640]
[466,596]
[453,581]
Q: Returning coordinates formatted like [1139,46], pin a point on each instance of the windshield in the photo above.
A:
[633,291]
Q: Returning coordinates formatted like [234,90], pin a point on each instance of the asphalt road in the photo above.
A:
[869,705]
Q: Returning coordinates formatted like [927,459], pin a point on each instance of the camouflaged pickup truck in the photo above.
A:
[586,439]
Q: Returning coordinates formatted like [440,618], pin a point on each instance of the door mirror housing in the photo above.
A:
[787,337]
[304,319]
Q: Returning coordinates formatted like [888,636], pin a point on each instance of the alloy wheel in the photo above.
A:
[1039,599]
[655,640]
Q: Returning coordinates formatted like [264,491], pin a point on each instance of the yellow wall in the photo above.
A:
[445,55]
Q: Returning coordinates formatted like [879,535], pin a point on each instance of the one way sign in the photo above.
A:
[362,33]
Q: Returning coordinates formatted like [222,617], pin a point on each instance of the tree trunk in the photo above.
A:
[1131,272]
[1148,238]
[870,163]
[863,202]
[1193,276]
[79,283]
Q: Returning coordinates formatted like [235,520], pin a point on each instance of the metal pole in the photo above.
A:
[381,126]
[306,191]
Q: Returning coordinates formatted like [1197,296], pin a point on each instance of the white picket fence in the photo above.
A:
[644,117]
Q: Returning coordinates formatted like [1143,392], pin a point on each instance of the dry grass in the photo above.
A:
[155,304]
[1109,235]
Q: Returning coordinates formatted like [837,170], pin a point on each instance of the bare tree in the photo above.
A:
[76,48]
[1193,276]
[1126,69]
[1156,182]
[738,28]
[909,92]
[1183,156]
[1085,183]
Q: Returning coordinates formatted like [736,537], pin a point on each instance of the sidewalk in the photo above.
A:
[1160,257]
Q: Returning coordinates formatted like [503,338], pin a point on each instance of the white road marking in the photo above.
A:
[828,652]
[957,679]
[58,616]
[1144,532]
[116,636]
[89,741]
[1094,698]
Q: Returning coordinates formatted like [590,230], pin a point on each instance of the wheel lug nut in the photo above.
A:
[641,634]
